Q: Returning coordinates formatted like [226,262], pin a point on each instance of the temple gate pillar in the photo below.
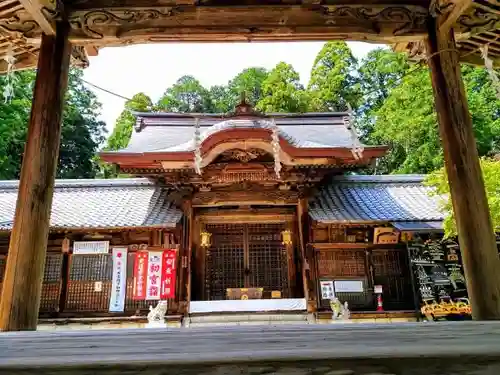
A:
[24,271]
[470,206]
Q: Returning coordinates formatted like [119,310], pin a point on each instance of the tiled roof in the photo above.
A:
[393,198]
[99,204]
[168,132]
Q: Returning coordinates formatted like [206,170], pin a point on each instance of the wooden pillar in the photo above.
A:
[306,261]
[475,233]
[22,284]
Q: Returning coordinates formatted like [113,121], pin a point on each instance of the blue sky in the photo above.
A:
[154,67]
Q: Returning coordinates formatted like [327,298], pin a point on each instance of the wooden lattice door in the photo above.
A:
[246,256]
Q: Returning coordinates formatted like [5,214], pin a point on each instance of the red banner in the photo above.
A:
[140,275]
[168,273]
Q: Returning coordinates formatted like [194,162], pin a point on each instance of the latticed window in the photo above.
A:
[246,256]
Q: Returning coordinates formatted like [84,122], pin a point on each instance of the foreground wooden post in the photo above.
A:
[470,206]
[28,242]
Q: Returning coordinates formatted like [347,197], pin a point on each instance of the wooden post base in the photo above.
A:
[470,206]
[22,283]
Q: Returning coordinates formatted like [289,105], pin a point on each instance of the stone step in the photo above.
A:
[245,319]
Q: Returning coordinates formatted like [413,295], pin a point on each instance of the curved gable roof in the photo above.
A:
[169,132]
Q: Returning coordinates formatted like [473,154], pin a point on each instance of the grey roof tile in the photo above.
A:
[376,199]
[99,204]
[174,132]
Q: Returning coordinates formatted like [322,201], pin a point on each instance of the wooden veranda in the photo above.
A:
[50,34]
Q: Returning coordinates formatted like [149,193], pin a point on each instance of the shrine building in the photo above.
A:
[265,214]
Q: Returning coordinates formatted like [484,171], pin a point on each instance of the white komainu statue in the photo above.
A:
[339,310]
[157,314]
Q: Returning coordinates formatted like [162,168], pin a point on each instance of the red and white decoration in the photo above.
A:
[155,275]
[118,288]
[168,274]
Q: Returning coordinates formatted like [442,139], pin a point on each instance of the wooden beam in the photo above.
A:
[91,24]
[26,261]
[449,19]
[43,13]
[470,205]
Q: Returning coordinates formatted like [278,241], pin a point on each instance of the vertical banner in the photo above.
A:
[154,275]
[140,275]
[168,274]
[118,286]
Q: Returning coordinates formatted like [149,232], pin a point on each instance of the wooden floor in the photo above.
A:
[304,349]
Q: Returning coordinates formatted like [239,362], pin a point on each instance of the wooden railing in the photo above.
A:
[465,348]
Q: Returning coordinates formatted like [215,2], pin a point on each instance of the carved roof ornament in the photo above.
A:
[245,109]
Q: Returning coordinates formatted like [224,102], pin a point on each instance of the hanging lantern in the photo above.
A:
[197,151]
[205,239]
[286,237]
[275,143]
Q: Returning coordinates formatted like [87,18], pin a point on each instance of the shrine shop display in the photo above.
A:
[439,278]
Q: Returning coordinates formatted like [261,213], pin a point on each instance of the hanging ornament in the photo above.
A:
[356,148]
[10,78]
[197,152]
[275,143]
[488,63]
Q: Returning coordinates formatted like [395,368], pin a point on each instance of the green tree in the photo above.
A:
[222,101]
[186,95]
[379,72]
[250,81]
[491,176]
[282,91]
[81,132]
[407,122]
[333,81]
[125,123]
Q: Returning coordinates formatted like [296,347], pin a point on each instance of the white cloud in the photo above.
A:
[152,68]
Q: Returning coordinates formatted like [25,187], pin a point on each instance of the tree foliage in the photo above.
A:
[186,95]
[333,82]
[282,91]
[491,175]
[125,123]
[81,133]
[407,122]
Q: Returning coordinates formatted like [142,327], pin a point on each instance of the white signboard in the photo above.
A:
[154,275]
[90,247]
[349,286]
[327,291]
[378,289]
[118,287]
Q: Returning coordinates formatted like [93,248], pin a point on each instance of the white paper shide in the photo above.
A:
[118,287]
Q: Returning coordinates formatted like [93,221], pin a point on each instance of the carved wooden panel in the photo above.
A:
[391,270]
[341,263]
